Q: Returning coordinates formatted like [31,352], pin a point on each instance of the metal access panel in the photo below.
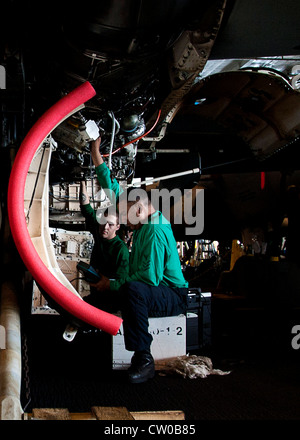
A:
[70,247]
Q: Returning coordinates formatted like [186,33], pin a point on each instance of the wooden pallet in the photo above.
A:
[102,413]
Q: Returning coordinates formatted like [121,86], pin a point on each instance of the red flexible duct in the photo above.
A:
[44,278]
[262,180]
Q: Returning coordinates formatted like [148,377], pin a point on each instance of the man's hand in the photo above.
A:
[95,152]
[102,285]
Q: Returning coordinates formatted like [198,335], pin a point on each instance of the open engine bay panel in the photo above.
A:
[70,247]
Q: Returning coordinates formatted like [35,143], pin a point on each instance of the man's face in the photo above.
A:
[109,227]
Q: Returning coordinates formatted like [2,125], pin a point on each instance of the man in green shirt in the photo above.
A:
[154,286]
[110,255]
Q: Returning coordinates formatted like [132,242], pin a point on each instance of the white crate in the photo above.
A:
[169,340]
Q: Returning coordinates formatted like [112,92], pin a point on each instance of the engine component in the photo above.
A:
[76,133]
[71,161]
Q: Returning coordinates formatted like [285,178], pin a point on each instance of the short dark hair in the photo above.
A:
[115,213]
[143,196]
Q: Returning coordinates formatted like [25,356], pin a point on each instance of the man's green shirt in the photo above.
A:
[110,187]
[109,257]
[154,257]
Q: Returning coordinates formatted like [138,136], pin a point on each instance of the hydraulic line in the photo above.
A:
[136,139]
[112,138]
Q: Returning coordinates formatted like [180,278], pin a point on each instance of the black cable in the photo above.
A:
[224,163]
[35,184]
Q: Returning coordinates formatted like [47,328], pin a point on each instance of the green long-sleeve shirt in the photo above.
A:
[111,188]
[154,256]
[109,257]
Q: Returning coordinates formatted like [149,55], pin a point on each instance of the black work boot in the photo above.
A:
[142,367]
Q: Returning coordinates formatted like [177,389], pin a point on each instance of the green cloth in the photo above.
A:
[111,188]
[154,256]
[109,257]
[90,216]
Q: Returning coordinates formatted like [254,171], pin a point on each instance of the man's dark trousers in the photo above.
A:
[141,301]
